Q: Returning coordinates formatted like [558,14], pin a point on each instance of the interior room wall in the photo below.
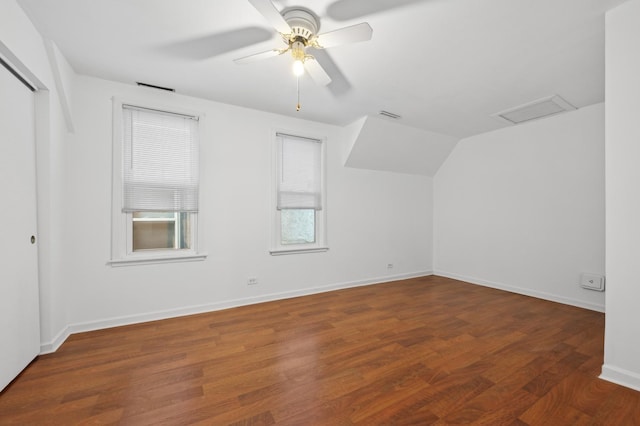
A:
[23,46]
[522,208]
[375,218]
[622,342]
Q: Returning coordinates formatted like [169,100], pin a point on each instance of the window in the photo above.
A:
[161,230]
[155,185]
[299,213]
[297,226]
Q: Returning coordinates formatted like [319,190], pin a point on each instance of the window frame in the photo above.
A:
[122,253]
[320,245]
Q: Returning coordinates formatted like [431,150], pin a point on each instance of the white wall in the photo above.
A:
[23,46]
[374,218]
[622,332]
[522,208]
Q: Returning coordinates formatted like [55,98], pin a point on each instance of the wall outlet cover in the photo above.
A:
[592,282]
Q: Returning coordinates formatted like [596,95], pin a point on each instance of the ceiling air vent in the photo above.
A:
[389,115]
[537,109]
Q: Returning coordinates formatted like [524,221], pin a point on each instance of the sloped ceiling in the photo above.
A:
[379,144]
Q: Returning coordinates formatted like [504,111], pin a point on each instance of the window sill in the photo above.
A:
[149,260]
[281,252]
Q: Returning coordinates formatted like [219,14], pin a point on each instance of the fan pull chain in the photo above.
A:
[298,91]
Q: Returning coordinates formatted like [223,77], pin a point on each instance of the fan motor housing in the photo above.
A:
[303,23]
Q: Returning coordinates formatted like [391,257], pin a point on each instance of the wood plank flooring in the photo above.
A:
[415,352]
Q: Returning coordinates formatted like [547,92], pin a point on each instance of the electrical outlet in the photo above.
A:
[389,265]
[252,280]
[592,282]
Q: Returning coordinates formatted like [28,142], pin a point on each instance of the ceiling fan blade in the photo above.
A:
[339,85]
[346,35]
[259,56]
[272,15]
[317,73]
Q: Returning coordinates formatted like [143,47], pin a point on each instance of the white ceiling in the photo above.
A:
[444,65]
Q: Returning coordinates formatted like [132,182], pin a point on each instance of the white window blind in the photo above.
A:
[160,161]
[299,173]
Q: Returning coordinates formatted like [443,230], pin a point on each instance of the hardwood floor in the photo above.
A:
[422,351]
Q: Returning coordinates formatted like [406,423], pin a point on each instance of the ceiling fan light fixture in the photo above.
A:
[298,53]
[298,68]
[298,27]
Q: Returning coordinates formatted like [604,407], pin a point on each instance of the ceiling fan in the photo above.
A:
[299,27]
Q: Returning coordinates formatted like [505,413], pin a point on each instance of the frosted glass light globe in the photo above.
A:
[298,68]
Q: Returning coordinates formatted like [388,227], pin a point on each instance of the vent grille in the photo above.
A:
[302,32]
[540,108]
[152,86]
[389,115]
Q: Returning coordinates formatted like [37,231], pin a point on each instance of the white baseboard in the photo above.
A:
[53,345]
[525,291]
[620,376]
